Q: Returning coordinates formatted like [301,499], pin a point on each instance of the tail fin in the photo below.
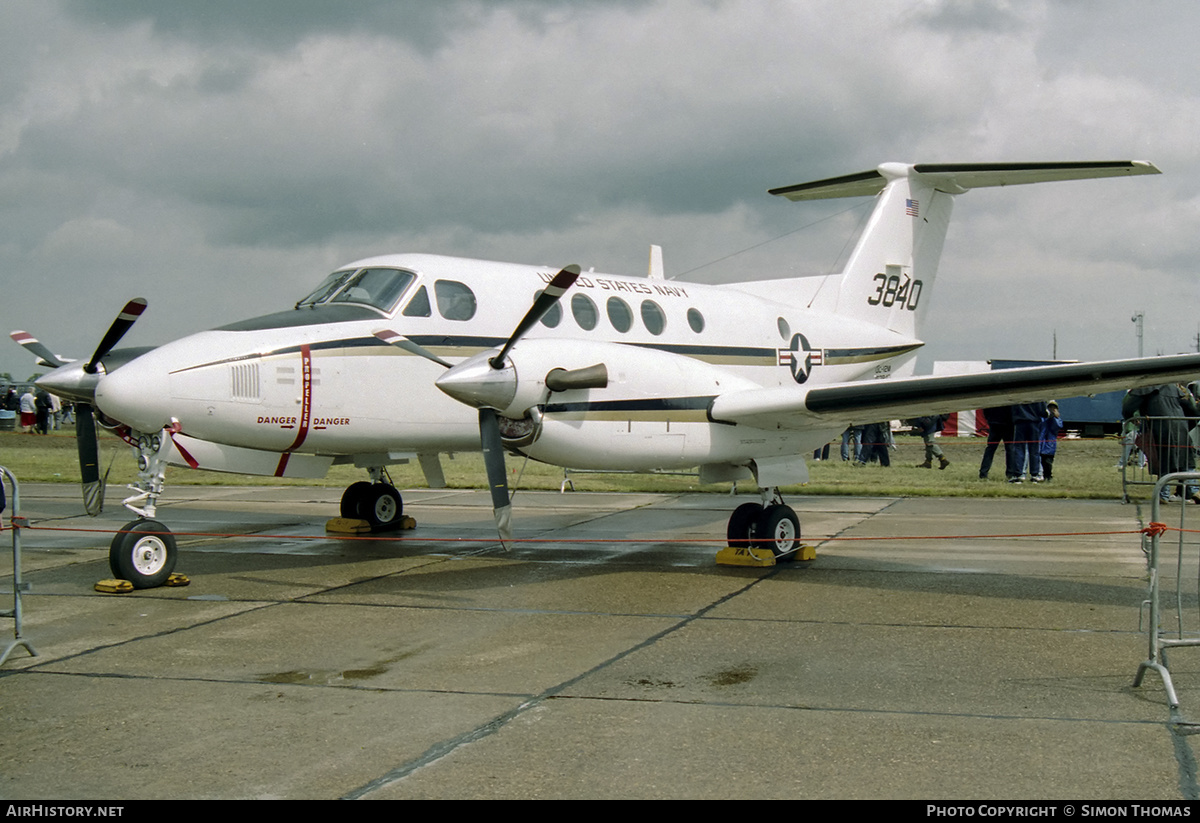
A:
[890,273]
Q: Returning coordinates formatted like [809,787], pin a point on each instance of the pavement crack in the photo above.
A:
[1185,758]
[447,747]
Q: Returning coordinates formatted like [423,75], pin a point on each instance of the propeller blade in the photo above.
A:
[43,354]
[89,459]
[126,318]
[497,474]
[549,296]
[401,342]
[589,377]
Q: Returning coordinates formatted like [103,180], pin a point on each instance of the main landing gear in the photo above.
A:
[377,502]
[771,524]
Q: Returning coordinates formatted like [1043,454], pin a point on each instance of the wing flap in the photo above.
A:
[869,401]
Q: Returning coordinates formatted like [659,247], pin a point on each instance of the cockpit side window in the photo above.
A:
[455,300]
[419,305]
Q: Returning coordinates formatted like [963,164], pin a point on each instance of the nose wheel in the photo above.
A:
[143,553]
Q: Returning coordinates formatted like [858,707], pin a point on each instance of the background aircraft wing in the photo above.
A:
[870,401]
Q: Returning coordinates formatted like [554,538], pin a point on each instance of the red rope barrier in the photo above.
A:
[1154,528]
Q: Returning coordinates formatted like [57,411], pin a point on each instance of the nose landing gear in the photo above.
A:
[144,551]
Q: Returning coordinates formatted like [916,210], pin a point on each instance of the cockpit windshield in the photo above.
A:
[380,288]
[328,286]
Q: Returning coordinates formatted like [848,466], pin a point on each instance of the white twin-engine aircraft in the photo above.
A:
[412,355]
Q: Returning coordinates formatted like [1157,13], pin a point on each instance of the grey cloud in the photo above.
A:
[279,24]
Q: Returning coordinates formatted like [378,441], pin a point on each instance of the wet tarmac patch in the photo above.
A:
[650,683]
[733,676]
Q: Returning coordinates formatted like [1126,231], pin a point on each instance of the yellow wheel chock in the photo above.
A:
[353,525]
[761,558]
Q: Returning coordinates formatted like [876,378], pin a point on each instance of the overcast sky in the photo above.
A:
[218,157]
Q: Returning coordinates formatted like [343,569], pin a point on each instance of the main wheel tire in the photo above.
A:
[382,506]
[353,497]
[143,553]
[740,531]
[778,529]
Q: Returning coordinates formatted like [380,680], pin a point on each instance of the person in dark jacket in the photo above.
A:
[875,444]
[1000,430]
[1170,411]
[42,406]
[1027,440]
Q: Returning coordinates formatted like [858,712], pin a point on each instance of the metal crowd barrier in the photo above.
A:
[1155,444]
[18,584]
[1174,599]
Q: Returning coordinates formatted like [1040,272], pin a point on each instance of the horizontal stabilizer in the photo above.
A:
[955,178]
[870,401]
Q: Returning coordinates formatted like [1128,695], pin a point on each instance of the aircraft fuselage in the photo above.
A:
[315,380]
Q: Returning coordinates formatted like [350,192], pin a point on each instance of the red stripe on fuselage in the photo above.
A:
[305,408]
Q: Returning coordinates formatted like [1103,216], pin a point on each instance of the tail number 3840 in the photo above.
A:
[889,291]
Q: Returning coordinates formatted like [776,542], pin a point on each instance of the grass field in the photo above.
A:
[1084,469]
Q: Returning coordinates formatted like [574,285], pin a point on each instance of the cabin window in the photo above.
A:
[653,317]
[455,300]
[584,311]
[553,316]
[419,305]
[695,320]
[785,331]
[619,314]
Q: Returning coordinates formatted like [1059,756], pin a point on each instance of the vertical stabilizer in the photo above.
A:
[889,277]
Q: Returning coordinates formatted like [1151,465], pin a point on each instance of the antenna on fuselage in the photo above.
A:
[656,264]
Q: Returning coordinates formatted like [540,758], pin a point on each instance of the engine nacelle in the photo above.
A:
[652,411]
[631,373]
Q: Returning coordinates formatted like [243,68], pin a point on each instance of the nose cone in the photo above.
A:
[475,383]
[138,394]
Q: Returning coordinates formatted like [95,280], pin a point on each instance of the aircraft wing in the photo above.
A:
[870,401]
